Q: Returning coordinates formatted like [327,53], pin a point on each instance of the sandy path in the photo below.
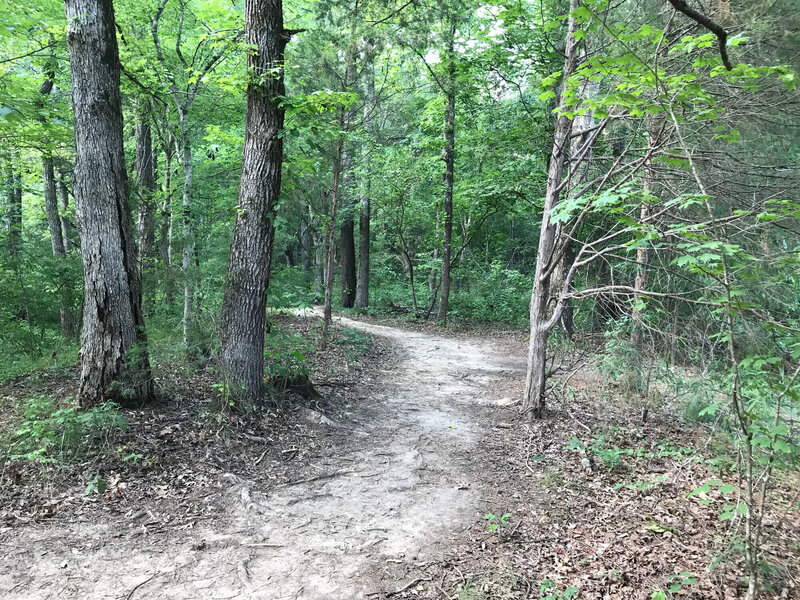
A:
[396,495]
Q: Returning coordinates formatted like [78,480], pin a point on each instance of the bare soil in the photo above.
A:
[379,489]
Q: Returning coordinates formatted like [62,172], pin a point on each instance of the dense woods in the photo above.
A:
[615,183]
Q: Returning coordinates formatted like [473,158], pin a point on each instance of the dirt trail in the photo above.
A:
[395,496]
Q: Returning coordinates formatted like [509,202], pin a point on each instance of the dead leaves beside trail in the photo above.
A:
[610,512]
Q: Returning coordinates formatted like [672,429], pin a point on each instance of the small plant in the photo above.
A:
[50,434]
[611,456]
[96,484]
[496,522]
[356,340]
[549,591]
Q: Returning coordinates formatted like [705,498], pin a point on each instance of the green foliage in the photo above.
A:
[497,521]
[548,590]
[48,433]
[356,340]
[286,354]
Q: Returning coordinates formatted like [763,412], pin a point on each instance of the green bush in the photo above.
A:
[48,433]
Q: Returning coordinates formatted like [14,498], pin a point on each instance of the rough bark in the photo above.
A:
[145,172]
[533,403]
[448,155]
[244,303]
[114,360]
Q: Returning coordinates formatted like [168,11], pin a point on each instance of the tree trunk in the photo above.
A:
[347,246]
[188,237]
[245,301]
[166,228]
[145,171]
[533,403]
[364,219]
[114,360]
[320,256]
[57,243]
[337,169]
[306,247]
[13,208]
[448,155]
[66,226]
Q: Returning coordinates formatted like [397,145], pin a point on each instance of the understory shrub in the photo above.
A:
[48,433]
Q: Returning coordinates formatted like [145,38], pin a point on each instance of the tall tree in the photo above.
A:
[114,359]
[244,303]
[540,325]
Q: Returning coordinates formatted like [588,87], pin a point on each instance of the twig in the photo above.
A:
[260,458]
[133,591]
[317,478]
[409,585]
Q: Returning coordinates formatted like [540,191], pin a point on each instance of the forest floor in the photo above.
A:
[381,488]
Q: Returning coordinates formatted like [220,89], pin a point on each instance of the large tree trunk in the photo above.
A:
[448,155]
[114,360]
[145,171]
[533,403]
[244,303]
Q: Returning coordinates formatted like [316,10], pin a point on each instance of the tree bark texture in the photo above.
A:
[533,403]
[114,360]
[448,155]
[244,303]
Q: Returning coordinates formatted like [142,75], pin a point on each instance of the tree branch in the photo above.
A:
[712,26]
